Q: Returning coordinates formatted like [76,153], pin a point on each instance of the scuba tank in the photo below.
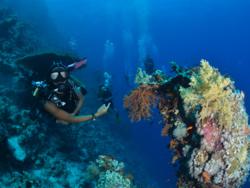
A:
[38,85]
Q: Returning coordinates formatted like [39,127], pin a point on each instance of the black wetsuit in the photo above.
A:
[67,100]
[106,96]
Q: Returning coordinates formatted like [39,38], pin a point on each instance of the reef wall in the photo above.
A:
[205,117]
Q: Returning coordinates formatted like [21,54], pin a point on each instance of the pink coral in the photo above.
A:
[211,136]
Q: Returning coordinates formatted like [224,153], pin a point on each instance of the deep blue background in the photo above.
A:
[181,30]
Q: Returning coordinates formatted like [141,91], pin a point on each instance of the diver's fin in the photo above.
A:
[77,65]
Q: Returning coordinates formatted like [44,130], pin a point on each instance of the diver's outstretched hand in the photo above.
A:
[102,110]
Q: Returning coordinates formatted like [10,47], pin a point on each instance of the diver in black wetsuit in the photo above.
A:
[62,96]
[106,96]
[149,65]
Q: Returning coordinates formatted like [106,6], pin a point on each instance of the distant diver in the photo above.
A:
[62,95]
[149,65]
[105,94]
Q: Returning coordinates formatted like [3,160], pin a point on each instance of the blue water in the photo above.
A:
[116,35]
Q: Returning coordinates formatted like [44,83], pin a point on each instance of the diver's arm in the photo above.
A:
[65,116]
[80,102]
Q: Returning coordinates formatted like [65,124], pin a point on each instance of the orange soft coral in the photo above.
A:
[246,130]
[165,130]
[206,177]
[173,144]
[140,101]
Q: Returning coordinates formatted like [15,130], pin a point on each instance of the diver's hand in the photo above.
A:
[102,110]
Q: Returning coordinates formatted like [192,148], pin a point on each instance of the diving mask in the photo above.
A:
[59,74]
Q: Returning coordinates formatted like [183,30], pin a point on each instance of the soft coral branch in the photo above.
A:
[140,101]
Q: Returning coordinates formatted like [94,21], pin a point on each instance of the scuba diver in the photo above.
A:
[105,94]
[149,65]
[62,96]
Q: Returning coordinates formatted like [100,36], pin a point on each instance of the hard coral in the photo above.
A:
[157,77]
[180,131]
[140,101]
[109,173]
[111,179]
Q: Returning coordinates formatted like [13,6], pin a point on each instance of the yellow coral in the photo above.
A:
[243,154]
[201,157]
[233,167]
[212,92]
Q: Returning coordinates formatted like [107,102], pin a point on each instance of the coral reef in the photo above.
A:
[16,39]
[109,173]
[141,99]
[213,93]
[158,77]
[56,172]
[18,128]
[206,119]
[221,119]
